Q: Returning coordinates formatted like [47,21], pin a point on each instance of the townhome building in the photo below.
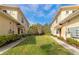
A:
[66,22]
[12,20]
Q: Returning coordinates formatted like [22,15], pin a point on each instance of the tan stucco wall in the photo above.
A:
[6,24]
[61,16]
[17,15]
[25,24]
[13,13]
[73,23]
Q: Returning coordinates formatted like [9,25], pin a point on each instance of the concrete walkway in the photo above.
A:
[9,46]
[72,49]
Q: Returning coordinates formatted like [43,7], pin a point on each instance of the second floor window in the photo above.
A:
[77,32]
[10,22]
[5,11]
[56,20]
[73,11]
[67,12]
[21,30]
[22,20]
[68,31]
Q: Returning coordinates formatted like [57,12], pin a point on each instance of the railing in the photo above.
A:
[68,18]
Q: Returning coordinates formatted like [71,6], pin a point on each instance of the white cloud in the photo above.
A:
[47,6]
[40,14]
[32,7]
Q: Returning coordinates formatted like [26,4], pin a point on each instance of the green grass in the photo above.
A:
[38,45]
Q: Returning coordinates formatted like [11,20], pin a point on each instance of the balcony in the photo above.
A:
[68,18]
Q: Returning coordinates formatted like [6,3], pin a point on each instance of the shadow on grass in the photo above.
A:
[47,48]
[28,40]
[54,49]
[31,40]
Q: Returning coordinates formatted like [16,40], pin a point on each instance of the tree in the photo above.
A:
[38,29]
[35,29]
[46,29]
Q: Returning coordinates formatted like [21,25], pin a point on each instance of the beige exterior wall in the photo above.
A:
[63,15]
[52,28]
[21,18]
[60,18]
[9,24]
[73,23]
[23,21]
[13,13]
[6,25]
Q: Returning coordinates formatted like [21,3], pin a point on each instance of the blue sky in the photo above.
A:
[40,13]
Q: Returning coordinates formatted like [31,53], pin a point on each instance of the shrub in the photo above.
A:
[9,38]
[23,35]
[54,35]
[77,43]
[61,38]
[72,41]
[39,29]
[2,40]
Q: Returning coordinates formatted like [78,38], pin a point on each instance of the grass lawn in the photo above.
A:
[38,45]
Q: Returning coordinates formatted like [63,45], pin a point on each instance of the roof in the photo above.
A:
[64,8]
[70,17]
[9,6]
[15,7]
[10,17]
[69,7]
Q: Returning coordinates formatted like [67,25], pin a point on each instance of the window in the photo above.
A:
[21,30]
[68,31]
[77,32]
[18,30]
[5,11]
[56,31]
[56,20]
[22,20]
[10,22]
[73,11]
[10,31]
[67,12]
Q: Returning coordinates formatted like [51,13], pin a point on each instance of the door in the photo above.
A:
[18,30]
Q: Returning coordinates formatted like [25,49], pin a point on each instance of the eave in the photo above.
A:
[72,15]
[10,17]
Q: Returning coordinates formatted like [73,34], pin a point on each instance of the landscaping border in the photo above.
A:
[11,45]
[72,49]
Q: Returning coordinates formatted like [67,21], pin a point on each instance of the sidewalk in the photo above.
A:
[9,46]
[72,49]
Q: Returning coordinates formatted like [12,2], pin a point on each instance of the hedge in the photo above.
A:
[72,41]
[61,38]
[54,35]
[9,38]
